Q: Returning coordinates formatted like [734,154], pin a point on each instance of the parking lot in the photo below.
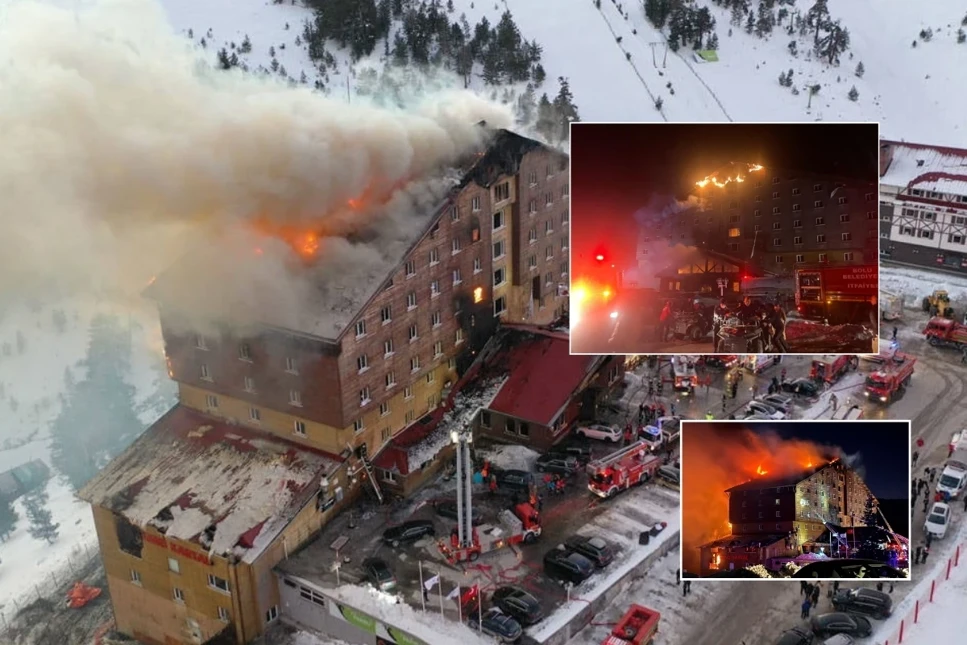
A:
[355,537]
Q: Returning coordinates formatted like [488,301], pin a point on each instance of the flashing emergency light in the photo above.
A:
[599,257]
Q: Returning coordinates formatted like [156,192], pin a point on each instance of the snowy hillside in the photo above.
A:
[39,345]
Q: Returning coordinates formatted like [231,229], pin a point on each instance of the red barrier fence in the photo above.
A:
[914,616]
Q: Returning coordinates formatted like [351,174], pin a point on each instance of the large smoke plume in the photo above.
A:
[717,456]
[120,142]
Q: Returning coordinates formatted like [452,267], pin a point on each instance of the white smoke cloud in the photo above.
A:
[120,142]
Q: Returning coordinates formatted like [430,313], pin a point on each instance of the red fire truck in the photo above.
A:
[522,524]
[831,367]
[890,381]
[942,332]
[838,295]
[621,470]
[686,379]
[638,626]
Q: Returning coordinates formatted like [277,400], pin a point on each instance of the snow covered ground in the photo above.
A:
[914,284]
[942,620]
[35,380]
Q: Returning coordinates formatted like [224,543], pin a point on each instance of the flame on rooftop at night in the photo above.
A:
[737,178]
[760,472]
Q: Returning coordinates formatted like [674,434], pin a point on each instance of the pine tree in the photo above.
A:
[764,21]
[789,78]
[527,105]
[42,526]
[565,109]
[782,79]
[303,79]
[817,19]
[546,121]
[860,70]
[8,519]
[738,12]
[246,45]
[659,103]
[401,50]
[854,94]
[750,23]
[961,36]
[539,75]
[713,42]
[223,61]
[834,43]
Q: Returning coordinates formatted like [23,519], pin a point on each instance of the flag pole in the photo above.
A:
[422,588]
[479,609]
[439,586]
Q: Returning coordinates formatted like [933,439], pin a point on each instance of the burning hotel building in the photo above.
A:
[279,427]
[769,221]
[782,517]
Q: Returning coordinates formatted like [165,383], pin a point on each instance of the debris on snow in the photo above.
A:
[511,457]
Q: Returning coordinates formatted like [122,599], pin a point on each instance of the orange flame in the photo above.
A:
[760,472]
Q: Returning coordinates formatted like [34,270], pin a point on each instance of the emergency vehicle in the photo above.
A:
[756,363]
[665,431]
[622,469]
[941,332]
[890,381]
[831,367]
[638,626]
[686,379]
[522,524]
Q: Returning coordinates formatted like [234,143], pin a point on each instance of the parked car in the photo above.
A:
[600,431]
[593,548]
[863,601]
[565,565]
[670,475]
[574,449]
[551,463]
[408,532]
[781,402]
[796,636]
[764,409]
[721,361]
[826,625]
[515,480]
[448,510]
[757,417]
[514,601]
[802,388]
[839,639]
[937,520]
[498,625]
[379,574]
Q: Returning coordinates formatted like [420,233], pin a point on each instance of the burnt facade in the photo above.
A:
[779,219]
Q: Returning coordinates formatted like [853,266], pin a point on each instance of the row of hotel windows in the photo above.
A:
[796,223]
[925,234]
[214,582]
[801,259]
[816,204]
[365,397]
[930,194]
[797,240]
[550,171]
[930,216]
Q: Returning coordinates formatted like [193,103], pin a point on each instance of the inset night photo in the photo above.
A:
[810,500]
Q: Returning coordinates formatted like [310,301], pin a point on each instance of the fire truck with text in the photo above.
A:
[686,378]
[522,524]
[829,368]
[890,381]
[943,332]
[620,470]
[838,294]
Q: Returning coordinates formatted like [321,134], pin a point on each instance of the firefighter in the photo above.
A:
[709,416]
[628,435]
[719,314]
[664,320]
[746,310]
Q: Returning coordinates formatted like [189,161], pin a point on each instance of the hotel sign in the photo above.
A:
[385,634]
[184,552]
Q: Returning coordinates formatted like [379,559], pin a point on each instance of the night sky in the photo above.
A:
[615,169]
[884,447]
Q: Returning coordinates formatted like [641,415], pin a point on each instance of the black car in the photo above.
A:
[803,388]
[408,532]
[567,566]
[579,451]
[593,548]
[552,463]
[863,601]
[845,568]
[516,602]
[514,480]
[449,510]
[826,625]
[379,574]
[795,636]
[496,624]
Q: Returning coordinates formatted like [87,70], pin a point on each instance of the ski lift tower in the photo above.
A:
[462,440]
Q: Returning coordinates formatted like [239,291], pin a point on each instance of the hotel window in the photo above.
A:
[821,239]
[779,259]
[390,379]
[776,210]
[796,191]
[385,434]
[532,207]
[299,427]
[756,213]
[408,394]
[386,315]
[255,414]
[475,204]
[776,226]
[218,583]
[245,352]
[451,363]
[415,364]
[564,268]
[205,374]
[548,200]
[563,244]
[796,208]
[438,349]
[565,216]
[430,377]
[200,342]
[458,336]
[457,276]
[413,333]
[455,246]
[436,319]
[383,409]
[775,180]
[410,268]
[844,218]
[800,259]
[211,401]
[733,219]
[434,288]
[498,220]
[735,232]
[817,188]
[777,241]
[499,277]
[847,257]
[454,213]
[174,566]
[870,214]
[295,398]
[818,204]
[272,614]
[797,240]
[532,235]
[358,425]
[870,197]
[841,200]
[758,198]
[135,577]
[756,228]
[411,301]
[548,252]
[502,191]
[388,347]
[775,195]
[822,258]
[500,306]
[498,249]
[434,257]
[532,262]
[548,227]
[362,363]
[846,237]
[820,221]
[477,265]
[360,328]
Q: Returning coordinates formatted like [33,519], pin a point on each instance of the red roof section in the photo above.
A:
[543,376]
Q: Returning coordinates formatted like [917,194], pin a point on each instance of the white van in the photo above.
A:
[756,363]
[952,481]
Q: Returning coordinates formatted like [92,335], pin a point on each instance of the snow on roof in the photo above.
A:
[932,168]
[543,375]
[227,488]
[466,405]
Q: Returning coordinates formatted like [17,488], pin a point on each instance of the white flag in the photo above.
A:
[429,584]
[454,594]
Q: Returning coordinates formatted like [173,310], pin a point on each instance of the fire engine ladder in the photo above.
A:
[368,468]
[604,462]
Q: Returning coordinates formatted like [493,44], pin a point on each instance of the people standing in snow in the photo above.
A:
[686,588]
[805,608]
